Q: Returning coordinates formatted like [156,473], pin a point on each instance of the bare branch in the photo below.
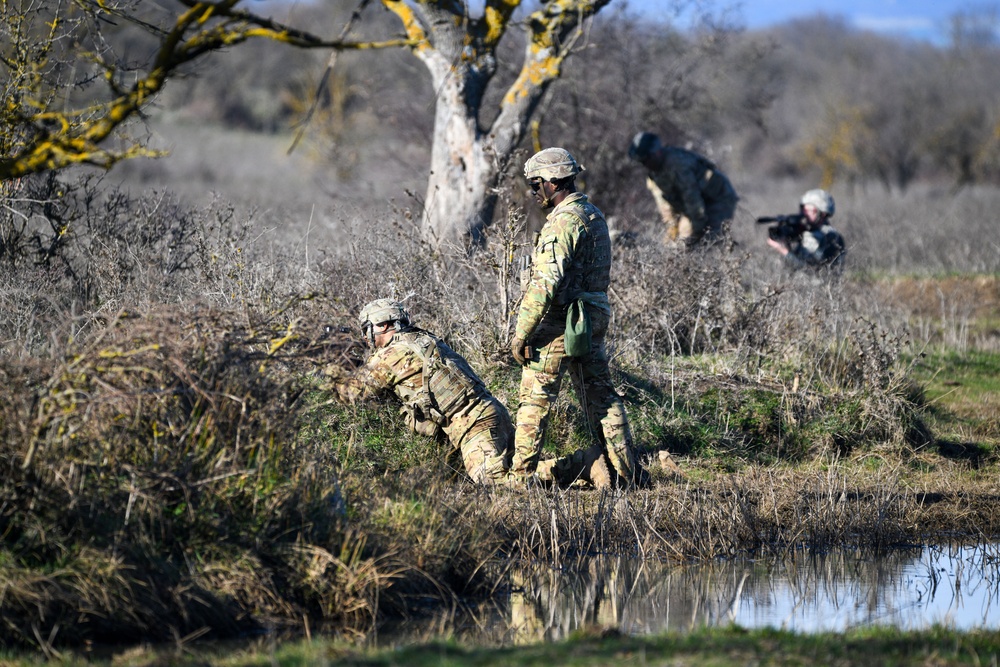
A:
[554,30]
[52,136]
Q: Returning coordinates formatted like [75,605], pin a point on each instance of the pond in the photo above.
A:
[956,586]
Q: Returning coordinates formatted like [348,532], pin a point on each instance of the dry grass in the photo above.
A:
[172,465]
[759,510]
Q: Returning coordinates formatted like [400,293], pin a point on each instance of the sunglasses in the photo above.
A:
[536,184]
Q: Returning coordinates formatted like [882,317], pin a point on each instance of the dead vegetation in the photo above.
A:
[172,465]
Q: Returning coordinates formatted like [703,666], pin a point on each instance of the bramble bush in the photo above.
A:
[172,461]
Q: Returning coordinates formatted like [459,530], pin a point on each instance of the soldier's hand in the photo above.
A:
[778,245]
[517,351]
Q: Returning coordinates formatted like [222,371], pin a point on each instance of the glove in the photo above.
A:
[517,351]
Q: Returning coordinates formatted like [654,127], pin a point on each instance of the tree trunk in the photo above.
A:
[460,197]
[460,54]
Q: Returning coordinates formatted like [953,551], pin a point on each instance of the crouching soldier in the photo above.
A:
[694,198]
[439,390]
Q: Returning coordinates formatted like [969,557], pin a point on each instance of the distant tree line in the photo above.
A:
[813,100]
[862,107]
[810,99]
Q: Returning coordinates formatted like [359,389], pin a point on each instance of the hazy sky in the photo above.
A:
[920,19]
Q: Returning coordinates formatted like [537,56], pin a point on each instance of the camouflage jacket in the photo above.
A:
[686,183]
[817,248]
[571,260]
[434,383]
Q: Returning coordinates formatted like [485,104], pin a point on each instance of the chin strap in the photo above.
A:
[369,331]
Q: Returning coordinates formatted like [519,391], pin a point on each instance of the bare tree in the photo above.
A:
[56,57]
[68,93]
[460,51]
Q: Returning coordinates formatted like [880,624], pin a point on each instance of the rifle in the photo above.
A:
[786,228]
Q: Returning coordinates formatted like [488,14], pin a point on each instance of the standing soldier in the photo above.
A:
[694,198]
[571,271]
[439,390]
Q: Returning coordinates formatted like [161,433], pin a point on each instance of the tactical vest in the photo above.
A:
[449,383]
[590,270]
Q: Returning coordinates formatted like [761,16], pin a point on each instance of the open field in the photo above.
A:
[172,462]
[175,474]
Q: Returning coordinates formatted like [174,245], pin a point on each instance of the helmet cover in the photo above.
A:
[821,199]
[383,310]
[551,164]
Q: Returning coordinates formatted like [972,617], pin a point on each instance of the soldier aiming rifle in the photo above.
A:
[783,228]
[807,238]
[441,395]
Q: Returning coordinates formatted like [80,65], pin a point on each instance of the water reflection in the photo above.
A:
[956,586]
[909,589]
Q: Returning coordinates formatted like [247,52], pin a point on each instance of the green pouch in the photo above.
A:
[577,329]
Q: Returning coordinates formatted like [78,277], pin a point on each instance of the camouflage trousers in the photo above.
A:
[484,439]
[540,382]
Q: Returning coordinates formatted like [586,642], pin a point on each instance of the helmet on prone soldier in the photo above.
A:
[821,199]
[379,312]
[551,164]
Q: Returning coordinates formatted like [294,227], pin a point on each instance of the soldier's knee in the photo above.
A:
[490,470]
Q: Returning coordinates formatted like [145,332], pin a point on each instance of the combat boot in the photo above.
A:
[531,480]
[638,478]
[642,479]
[545,476]
[624,466]
[597,472]
[584,465]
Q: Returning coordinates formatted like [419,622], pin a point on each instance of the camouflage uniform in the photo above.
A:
[439,391]
[694,198]
[819,245]
[571,260]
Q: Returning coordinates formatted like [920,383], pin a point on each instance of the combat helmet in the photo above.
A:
[821,199]
[643,145]
[551,164]
[379,311]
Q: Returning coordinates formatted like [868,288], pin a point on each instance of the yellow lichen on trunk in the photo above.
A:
[548,47]
[497,15]
[534,74]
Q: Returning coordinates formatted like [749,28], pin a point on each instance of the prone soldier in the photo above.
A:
[440,393]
